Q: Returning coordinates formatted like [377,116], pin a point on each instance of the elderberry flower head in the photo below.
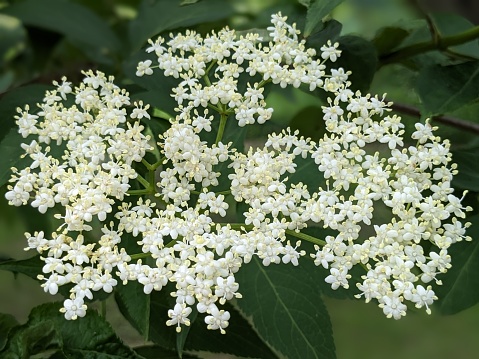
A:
[362,163]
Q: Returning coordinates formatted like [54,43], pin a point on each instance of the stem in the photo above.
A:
[446,120]
[139,192]
[221,129]
[139,256]
[143,181]
[306,237]
[426,46]
[299,235]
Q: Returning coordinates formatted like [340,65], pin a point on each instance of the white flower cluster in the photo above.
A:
[363,167]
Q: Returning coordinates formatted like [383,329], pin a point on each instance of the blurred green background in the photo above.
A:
[360,330]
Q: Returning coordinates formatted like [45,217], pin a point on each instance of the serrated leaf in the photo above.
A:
[7,323]
[444,89]
[316,12]
[359,56]
[87,337]
[27,340]
[285,307]
[78,23]
[134,304]
[156,17]
[460,289]
[468,176]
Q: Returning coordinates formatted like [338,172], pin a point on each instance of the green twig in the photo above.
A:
[306,237]
[426,46]
[221,129]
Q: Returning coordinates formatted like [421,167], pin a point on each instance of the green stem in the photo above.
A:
[138,192]
[221,129]
[143,181]
[299,235]
[139,256]
[306,237]
[426,46]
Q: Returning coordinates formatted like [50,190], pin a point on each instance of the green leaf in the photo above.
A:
[155,352]
[10,139]
[460,289]
[29,339]
[11,152]
[78,23]
[309,122]
[31,267]
[134,304]
[285,307]
[468,176]
[183,335]
[449,24]
[7,323]
[316,13]
[19,97]
[444,89]
[330,31]
[155,17]
[240,339]
[87,337]
[359,56]
[388,38]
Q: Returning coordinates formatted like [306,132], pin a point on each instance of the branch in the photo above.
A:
[446,120]
[426,46]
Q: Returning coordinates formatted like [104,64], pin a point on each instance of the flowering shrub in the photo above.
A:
[158,210]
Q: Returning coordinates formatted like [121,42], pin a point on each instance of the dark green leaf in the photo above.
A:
[159,333]
[388,38]
[87,337]
[285,307]
[76,22]
[316,12]
[183,335]
[239,339]
[31,267]
[27,340]
[11,152]
[134,304]
[7,323]
[330,31]
[359,56]
[155,17]
[460,289]
[444,89]
[155,352]
[468,176]
[309,122]
[19,97]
